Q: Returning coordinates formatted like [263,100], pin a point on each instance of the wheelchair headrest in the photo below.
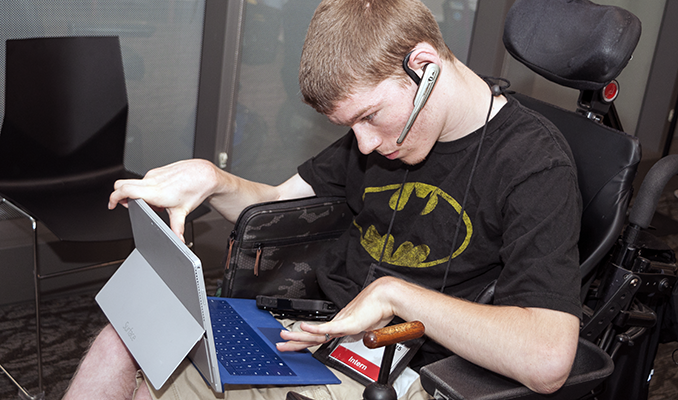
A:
[574,43]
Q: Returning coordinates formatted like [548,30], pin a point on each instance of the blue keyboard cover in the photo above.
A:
[239,349]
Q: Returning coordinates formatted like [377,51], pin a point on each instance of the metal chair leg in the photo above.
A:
[23,393]
[36,287]
[17,212]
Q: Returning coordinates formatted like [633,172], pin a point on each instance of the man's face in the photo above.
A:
[378,115]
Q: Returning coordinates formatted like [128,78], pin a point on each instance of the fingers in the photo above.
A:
[150,188]
[300,340]
[112,204]
[143,189]
[124,189]
[177,221]
[317,329]
[301,336]
[294,346]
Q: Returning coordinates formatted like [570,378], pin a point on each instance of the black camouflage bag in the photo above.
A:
[275,246]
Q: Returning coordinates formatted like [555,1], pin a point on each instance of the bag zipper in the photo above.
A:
[257,259]
[231,242]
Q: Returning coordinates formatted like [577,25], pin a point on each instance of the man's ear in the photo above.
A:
[422,54]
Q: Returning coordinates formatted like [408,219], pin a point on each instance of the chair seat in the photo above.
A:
[74,209]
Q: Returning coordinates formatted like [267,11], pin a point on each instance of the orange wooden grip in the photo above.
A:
[393,334]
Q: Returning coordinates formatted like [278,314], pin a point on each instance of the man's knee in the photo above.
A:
[108,345]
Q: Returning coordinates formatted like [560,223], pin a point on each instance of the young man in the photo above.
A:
[480,190]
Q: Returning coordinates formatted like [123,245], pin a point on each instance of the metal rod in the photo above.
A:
[385,369]
[36,286]
[79,269]
[21,388]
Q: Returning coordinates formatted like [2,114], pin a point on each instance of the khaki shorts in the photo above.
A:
[187,383]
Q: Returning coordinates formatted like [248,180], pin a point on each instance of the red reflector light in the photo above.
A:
[610,91]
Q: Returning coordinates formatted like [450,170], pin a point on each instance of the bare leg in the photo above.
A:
[108,371]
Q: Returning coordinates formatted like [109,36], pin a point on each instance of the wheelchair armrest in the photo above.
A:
[454,378]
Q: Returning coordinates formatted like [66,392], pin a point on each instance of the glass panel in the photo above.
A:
[161,46]
[274,131]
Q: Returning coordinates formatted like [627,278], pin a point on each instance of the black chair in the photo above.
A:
[62,143]
[63,139]
[63,135]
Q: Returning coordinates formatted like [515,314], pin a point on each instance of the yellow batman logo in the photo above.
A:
[407,254]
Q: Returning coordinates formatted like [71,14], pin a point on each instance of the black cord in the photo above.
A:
[390,225]
[468,186]
[498,86]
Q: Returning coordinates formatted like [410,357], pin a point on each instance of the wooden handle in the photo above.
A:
[393,334]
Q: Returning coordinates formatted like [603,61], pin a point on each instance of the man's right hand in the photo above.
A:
[178,188]
[182,186]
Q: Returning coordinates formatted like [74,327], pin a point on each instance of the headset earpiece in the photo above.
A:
[409,71]
[426,84]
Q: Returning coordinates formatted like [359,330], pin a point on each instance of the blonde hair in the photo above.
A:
[353,43]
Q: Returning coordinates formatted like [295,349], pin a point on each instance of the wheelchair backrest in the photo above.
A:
[540,34]
[607,161]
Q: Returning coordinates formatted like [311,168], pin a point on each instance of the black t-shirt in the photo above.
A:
[520,225]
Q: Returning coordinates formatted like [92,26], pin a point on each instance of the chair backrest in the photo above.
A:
[65,107]
[607,161]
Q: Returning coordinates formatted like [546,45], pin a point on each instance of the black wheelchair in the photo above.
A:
[629,291]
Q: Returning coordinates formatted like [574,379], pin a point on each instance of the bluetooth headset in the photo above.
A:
[425,83]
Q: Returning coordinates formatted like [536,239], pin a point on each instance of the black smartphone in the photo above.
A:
[305,309]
